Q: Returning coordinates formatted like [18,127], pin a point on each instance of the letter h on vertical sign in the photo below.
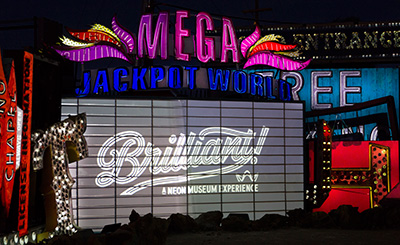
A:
[346,165]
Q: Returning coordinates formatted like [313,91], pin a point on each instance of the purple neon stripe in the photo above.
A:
[92,53]
[126,37]
[276,61]
[249,41]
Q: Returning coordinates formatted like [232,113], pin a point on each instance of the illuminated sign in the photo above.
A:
[123,79]
[67,144]
[187,156]
[330,88]
[341,41]
[189,152]
[8,135]
[320,164]
[362,182]
[25,145]
[269,51]
[101,42]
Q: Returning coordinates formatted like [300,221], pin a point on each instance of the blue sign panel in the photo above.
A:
[330,88]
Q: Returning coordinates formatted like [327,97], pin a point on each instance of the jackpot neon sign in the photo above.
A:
[121,79]
[153,38]
[187,152]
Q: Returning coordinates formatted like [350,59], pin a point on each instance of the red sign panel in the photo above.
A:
[362,174]
[25,144]
[8,107]
[8,138]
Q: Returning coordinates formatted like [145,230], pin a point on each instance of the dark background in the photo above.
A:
[83,13]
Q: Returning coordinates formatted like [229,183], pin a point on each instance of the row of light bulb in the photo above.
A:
[16,239]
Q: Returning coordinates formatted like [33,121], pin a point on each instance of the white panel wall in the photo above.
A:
[212,149]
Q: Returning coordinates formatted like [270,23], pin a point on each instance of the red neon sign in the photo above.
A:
[25,145]
[362,173]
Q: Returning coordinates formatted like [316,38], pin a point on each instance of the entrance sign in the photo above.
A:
[187,156]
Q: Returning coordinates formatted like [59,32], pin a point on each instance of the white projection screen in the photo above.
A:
[186,156]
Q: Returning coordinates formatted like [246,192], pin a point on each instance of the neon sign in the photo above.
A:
[25,145]
[269,51]
[367,180]
[187,152]
[101,42]
[8,135]
[121,79]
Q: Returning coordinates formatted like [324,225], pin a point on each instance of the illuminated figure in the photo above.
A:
[66,144]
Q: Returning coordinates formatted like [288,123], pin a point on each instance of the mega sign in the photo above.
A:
[101,42]
[153,38]
[187,156]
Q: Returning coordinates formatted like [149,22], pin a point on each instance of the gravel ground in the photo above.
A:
[288,236]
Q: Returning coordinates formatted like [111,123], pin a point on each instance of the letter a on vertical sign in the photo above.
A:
[25,144]
[8,140]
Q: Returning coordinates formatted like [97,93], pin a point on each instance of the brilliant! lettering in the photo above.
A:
[187,152]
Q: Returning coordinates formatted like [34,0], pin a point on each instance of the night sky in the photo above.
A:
[83,13]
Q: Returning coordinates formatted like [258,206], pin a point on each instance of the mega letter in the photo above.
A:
[229,41]
[180,34]
[205,46]
[146,39]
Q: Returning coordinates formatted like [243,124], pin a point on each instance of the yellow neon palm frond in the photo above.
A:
[270,37]
[289,54]
[69,42]
[106,30]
